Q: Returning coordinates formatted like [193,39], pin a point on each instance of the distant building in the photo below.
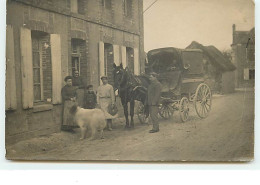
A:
[47,40]
[243,57]
[218,70]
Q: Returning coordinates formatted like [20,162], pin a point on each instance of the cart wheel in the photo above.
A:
[141,114]
[202,100]
[184,109]
[165,110]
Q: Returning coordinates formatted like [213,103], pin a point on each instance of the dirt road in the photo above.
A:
[225,135]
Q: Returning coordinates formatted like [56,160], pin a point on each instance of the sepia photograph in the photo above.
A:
[130,80]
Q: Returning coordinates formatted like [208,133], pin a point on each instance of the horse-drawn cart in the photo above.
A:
[181,74]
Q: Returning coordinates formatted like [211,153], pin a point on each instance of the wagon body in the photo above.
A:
[180,71]
[193,76]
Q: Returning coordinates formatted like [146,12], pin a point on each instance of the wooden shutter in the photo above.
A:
[136,62]
[116,55]
[27,69]
[10,90]
[123,50]
[246,73]
[101,60]
[56,68]
[74,6]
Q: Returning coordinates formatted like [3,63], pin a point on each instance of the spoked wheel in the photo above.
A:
[141,114]
[165,110]
[184,109]
[203,100]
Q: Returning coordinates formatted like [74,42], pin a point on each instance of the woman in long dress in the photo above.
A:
[105,97]
[68,93]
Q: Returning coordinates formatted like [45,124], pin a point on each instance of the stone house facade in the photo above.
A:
[243,57]
[48,40]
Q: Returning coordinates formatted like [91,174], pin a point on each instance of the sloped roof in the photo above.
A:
[241,37]
[252,35]
[216,57]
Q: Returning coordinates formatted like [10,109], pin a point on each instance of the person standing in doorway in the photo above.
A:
[68,94]
[106,97]
[153,99]
[78,83]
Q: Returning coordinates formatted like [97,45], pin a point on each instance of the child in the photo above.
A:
[90,98]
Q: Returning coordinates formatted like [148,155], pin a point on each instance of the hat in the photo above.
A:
[89,86]
[112,109]
[153,74]
[67,78]
[103,77]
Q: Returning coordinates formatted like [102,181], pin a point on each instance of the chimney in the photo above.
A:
[234,30]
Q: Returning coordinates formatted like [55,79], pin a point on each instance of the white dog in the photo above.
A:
[93,119]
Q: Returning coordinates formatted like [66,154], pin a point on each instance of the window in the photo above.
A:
[108,62]
[75,59]
[127,5]
[251,74]
[75,64]
[81,7]
[77,6]
[42,66]
[130,58]
[106,4]
[251,54]
[74,47]
[37,70]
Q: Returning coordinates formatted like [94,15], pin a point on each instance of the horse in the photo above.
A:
[130,88]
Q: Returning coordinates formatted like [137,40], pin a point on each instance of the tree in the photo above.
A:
[227,54]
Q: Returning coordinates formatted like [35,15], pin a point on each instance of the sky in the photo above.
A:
[176,23]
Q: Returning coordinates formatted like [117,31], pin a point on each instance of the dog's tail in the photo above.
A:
[73,109]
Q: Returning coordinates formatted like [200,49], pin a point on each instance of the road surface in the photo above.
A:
[225,135]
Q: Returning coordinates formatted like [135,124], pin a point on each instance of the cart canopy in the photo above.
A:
[164,59]
[173,64]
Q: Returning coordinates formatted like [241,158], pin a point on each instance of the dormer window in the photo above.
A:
[77,6]
[106,4]
[127,5]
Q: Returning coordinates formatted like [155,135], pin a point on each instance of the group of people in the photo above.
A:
[74,92]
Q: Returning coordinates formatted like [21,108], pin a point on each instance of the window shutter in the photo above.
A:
[74,6]
[27,69]
[101,60]
[136,62]
[116,54]
[10,90]
[56,68]
[246,73]
[123,50]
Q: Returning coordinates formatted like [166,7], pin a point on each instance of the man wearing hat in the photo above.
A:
[106,98]
[153,98]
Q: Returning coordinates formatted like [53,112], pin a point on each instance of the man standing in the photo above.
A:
[106,97]
[153,98]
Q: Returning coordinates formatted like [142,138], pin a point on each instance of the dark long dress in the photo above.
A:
[67,93]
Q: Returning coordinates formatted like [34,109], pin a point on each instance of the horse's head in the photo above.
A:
[119,75]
